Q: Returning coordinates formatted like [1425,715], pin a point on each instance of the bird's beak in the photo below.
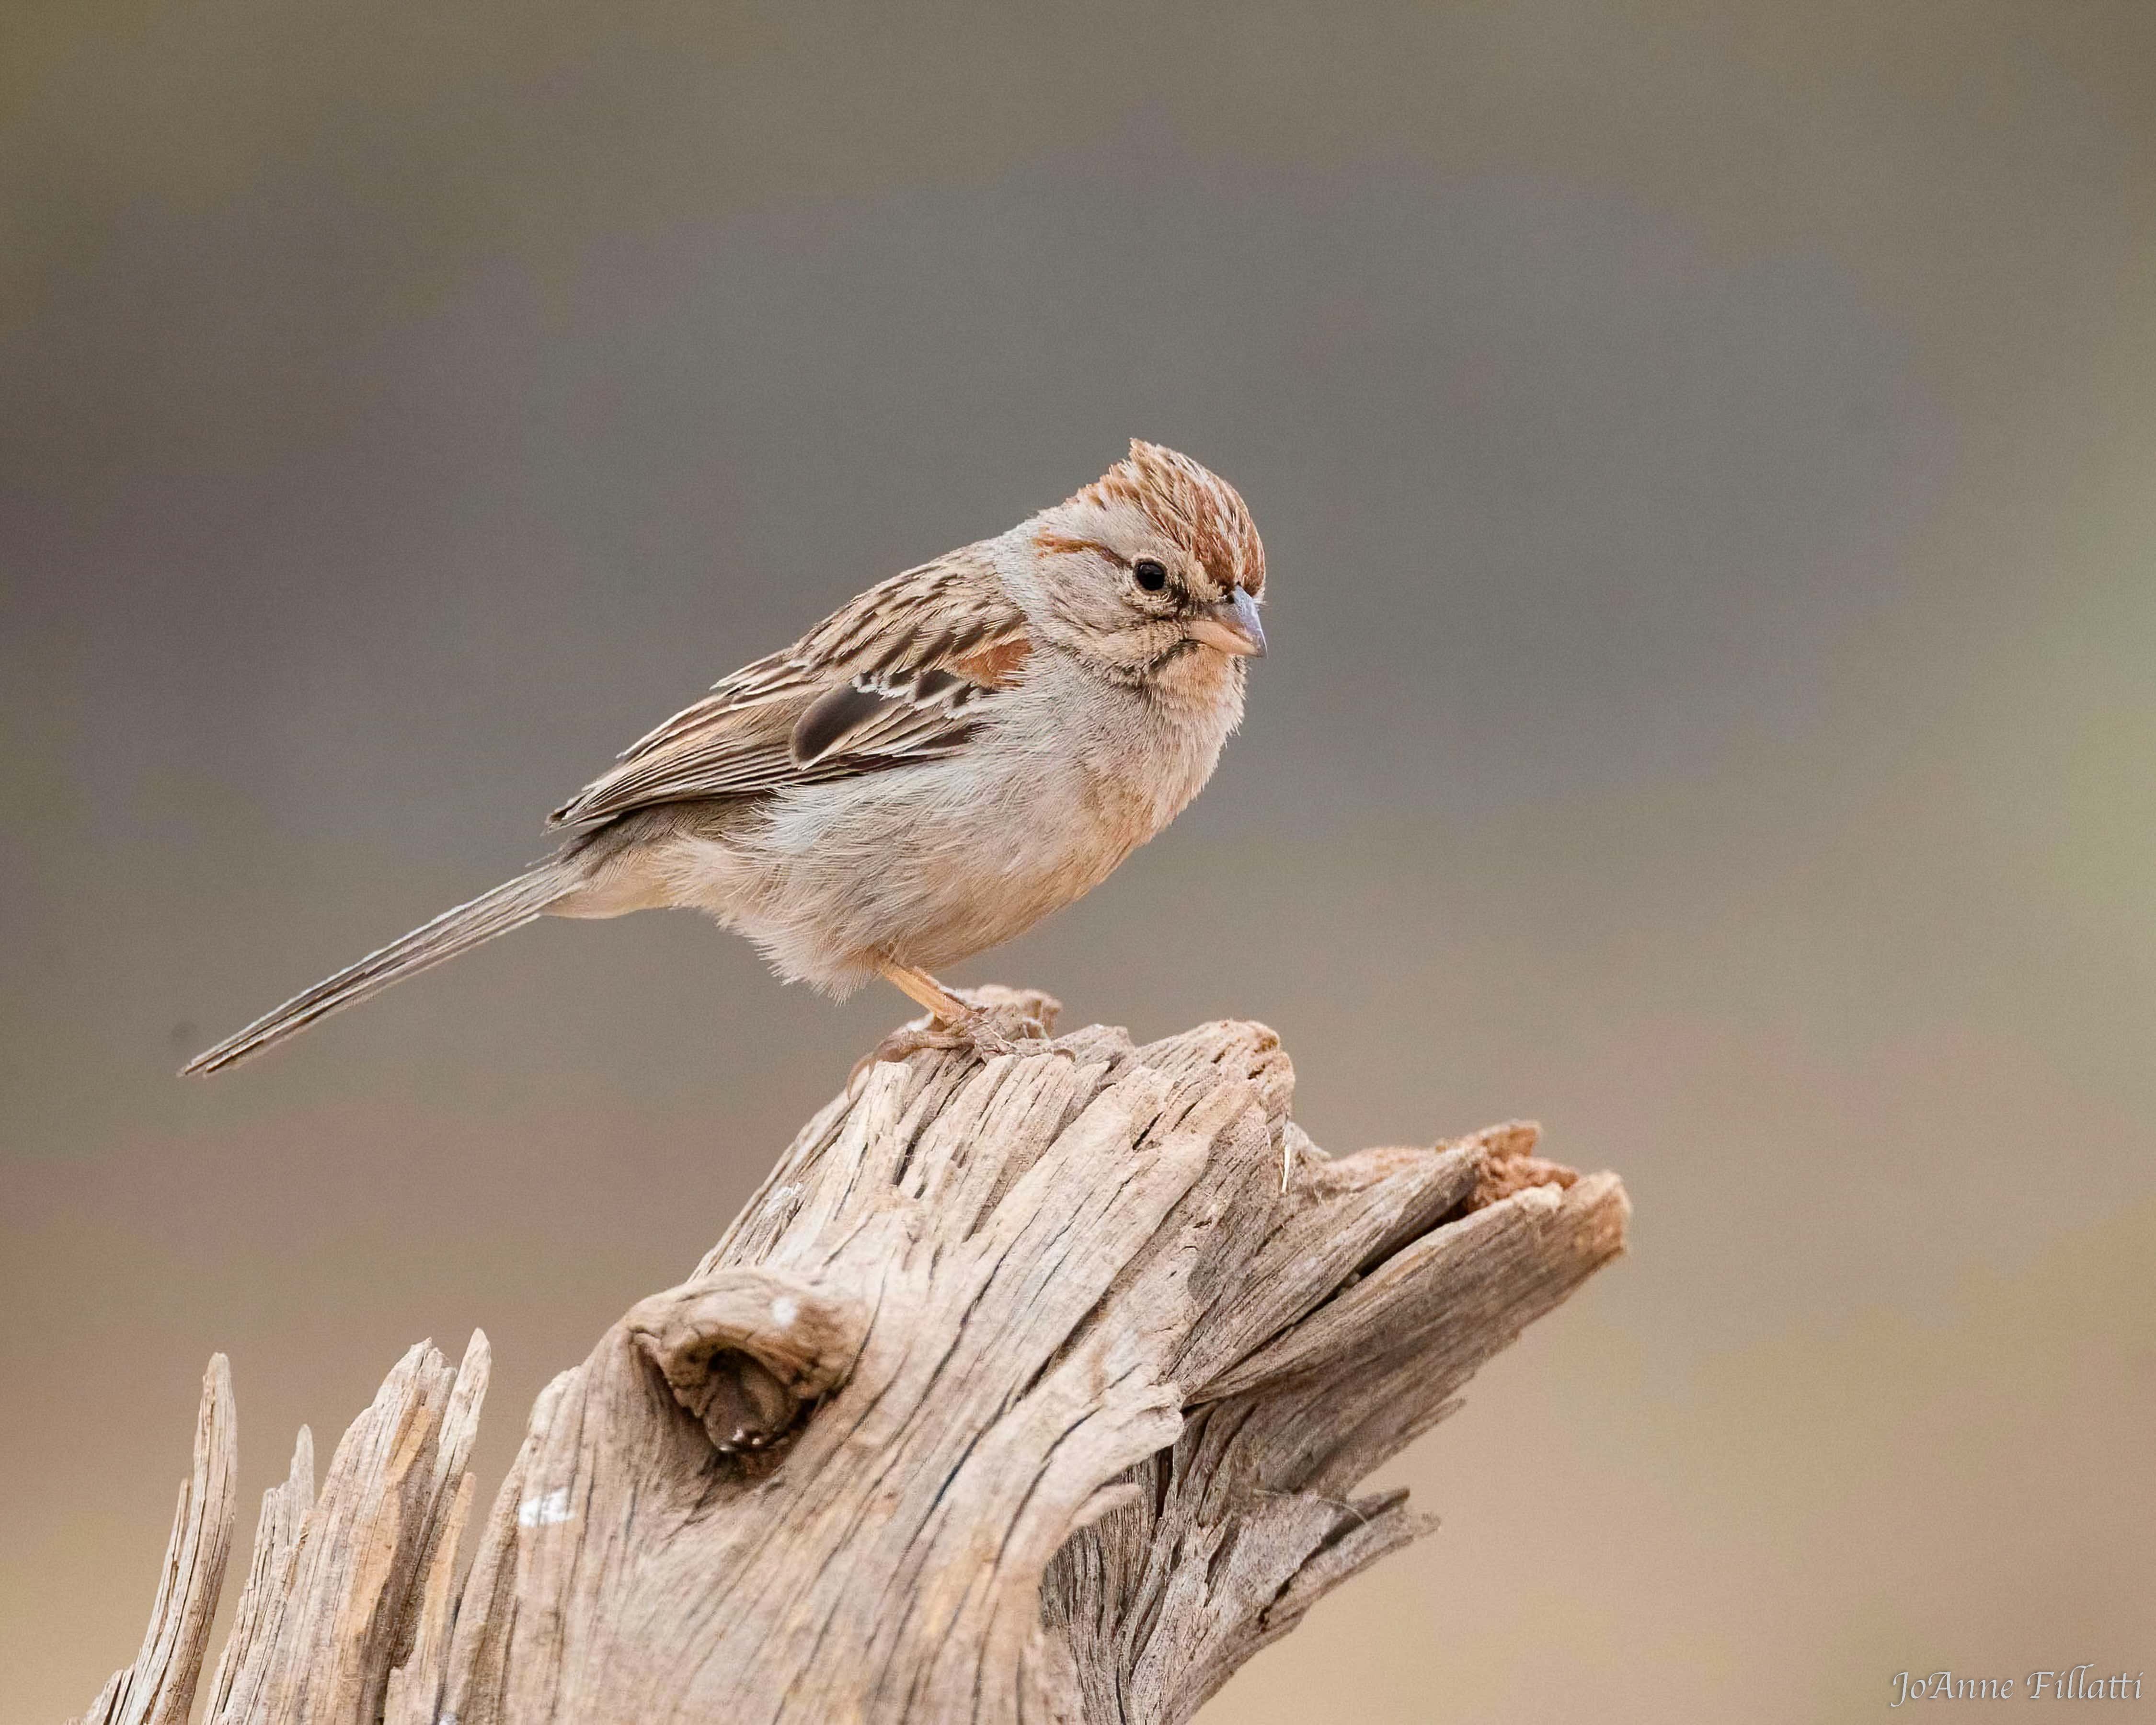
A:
[1232,626]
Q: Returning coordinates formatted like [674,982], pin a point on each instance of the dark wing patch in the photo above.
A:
[893,720]
[830,717]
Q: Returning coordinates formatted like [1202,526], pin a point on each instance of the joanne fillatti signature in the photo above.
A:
[2077,1682]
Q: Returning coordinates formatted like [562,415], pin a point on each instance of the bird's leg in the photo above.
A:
[917,985]
[953,1023]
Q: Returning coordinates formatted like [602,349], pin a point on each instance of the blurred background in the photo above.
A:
[1704,452]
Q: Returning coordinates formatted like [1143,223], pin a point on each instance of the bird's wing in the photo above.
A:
[902,673]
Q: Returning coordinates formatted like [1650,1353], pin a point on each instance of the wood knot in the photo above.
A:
[746,1351]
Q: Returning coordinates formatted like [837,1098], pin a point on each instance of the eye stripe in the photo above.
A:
[1062,544]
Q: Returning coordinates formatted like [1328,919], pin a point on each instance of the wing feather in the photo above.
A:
[903,674]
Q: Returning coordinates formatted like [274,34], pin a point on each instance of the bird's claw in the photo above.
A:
[986,1030]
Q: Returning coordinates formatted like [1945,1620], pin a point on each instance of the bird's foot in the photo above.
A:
[997,1021]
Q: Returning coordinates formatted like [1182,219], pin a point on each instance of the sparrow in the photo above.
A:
[926,773]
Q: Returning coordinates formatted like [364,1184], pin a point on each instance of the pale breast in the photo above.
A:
[929,865]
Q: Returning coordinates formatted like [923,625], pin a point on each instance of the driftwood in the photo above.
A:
[1031,1389]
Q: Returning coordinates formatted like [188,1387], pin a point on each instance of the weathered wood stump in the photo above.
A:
[1029,1389]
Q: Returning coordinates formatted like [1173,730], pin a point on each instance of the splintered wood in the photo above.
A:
[1021,1391]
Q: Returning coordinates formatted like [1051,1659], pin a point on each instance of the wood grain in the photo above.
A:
[1035,1388]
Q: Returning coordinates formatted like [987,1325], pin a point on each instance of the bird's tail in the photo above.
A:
[508,906]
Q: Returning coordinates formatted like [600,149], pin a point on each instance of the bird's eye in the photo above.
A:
[1149,575]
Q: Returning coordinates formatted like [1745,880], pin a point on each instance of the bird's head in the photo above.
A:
[1153,573]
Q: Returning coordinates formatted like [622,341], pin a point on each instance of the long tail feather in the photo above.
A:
[508,906]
